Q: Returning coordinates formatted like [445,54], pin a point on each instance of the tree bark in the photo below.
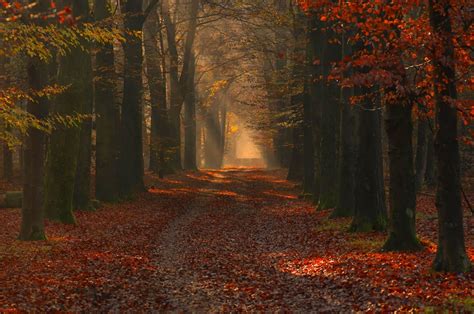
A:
[421,153]
[82,186]
[107,118]
[32,214]
[74,69]
[370,210]
[402,229]
[131,165]
[190,121]
[329,109]
[451,254]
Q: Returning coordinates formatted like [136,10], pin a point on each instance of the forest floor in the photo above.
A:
[220,241]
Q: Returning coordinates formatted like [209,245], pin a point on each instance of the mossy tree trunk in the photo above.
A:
[107,117]
[32,214]
[451,253]
[370,210]
[74,70]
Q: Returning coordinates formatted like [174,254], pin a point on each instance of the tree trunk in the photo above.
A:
[370,209]
[308,143]
[32,214]
[296,170]
[329,109]
[430,173]
[82,186]
[421,153]
[346,197]
[178,84]
[107,117]
[190,122]
[131,170]
[7,163]
[451,254]
[402,229]
[159,112]
[74,70]
[315,93]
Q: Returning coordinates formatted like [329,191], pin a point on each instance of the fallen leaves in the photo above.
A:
[221,241]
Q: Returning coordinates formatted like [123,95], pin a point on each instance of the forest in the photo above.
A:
[236,156]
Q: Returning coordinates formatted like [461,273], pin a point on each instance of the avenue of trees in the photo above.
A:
[354,98]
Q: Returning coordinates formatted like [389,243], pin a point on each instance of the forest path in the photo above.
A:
[236,245]
[235,240]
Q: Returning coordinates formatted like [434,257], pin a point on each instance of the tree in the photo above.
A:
[107,116]
[451,253]
[370,210]
[190,136]
[74,71]
[32,214]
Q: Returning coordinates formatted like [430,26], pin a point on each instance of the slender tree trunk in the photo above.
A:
[308,143]
[178,84]
[370,209]
[190,122]
[131,170]
[430,173]
[421,153]
[32,218]
[315,90]
[451,254]
[159,114]
[107,117]
[7,163]
[74,70]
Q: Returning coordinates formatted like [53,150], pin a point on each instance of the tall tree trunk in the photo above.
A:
[74,70]
[131,170]
[329,110]
[402,230]
[421,153]
[451,254]
[315,90]
[190,121]
[370,210]
[32,214]
[82,186]
[159,112]
[347,166]
[308,143]
[107,117]
[178,83]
